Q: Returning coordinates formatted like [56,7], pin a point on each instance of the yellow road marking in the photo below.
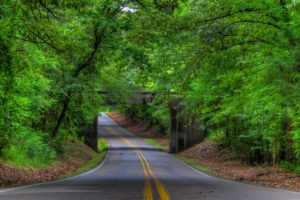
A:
[147,188]
[148,195]
[163,193]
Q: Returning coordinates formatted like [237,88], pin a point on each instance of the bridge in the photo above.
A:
[184,129]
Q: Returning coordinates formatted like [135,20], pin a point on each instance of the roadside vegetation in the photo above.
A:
[193,163]
[102,145]
[96,157]
[155,142]
[78,158]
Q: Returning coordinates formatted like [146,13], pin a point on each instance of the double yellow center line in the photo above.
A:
[148,194]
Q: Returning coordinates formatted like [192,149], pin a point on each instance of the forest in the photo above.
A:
[235,62]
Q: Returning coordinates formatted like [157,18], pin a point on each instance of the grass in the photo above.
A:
[191,162]
[194,163]
[96,157]
[155,143]
[102,145]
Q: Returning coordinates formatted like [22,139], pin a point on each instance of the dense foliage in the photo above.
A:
[236,63]
[52,56]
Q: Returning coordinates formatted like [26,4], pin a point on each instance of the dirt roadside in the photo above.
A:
[76,156]
[217,161]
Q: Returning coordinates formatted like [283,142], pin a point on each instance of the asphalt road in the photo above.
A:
[134,169]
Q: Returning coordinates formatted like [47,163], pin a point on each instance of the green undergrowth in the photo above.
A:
[215,136]
[30,164]
[73,149]
[155,143]
[290,166]
[29,149]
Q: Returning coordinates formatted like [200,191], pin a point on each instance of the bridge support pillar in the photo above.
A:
[184,129]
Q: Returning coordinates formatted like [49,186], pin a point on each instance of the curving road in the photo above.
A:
[134,169]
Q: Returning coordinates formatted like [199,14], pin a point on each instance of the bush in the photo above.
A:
[290,166]
[29,149]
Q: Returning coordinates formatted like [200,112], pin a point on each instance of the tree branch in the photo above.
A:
[245,10]
[90,57]
[257,40]
[230,14]
[98,38]
[46,8]
[253,21]
[25,39]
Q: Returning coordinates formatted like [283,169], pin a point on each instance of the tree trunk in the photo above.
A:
[61,116]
